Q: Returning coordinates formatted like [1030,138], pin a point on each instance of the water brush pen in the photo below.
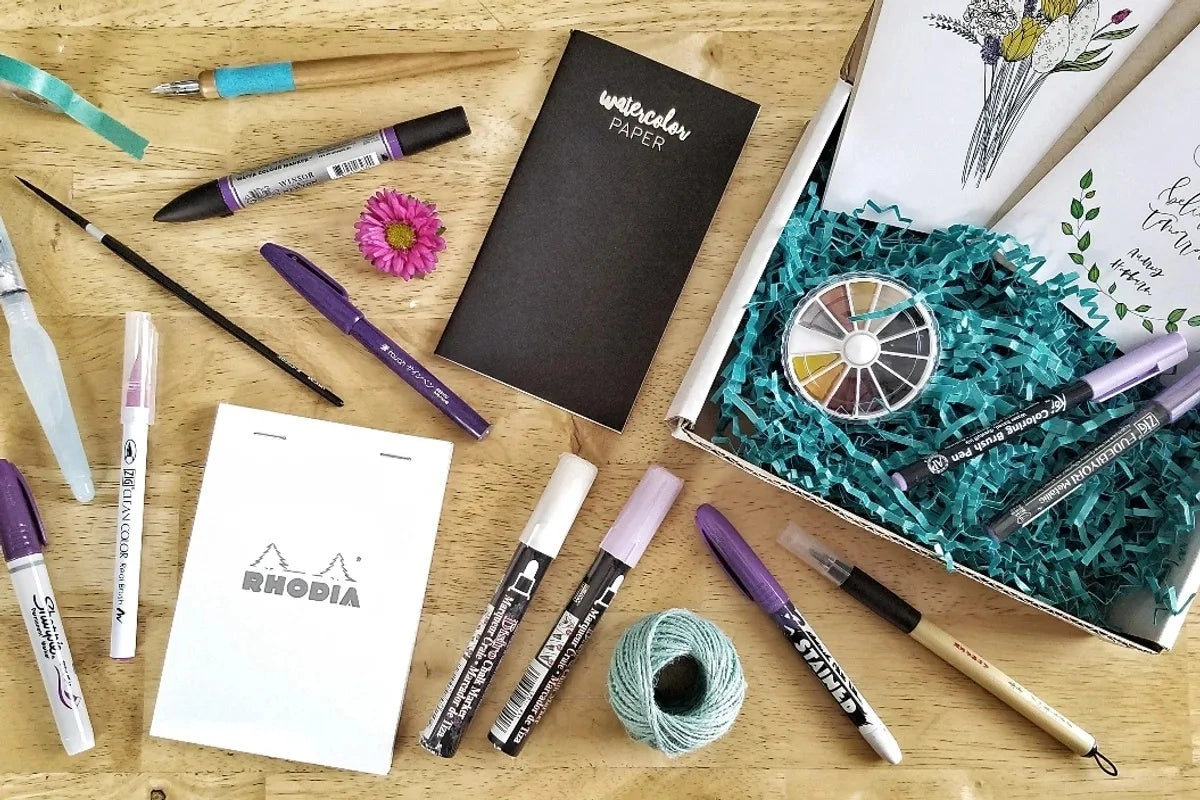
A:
[620,550]
[152,272]
[540,542]
[1164,409]
[41,374]
[891,607]
[756,582]
[1135,367]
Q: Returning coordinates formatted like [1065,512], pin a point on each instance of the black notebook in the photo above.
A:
[597,230]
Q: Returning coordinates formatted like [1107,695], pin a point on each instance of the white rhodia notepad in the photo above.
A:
[302,590]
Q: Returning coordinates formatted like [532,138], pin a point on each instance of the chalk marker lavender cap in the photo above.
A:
[1138,365]
[1180,397]
[21,531]
[644,511]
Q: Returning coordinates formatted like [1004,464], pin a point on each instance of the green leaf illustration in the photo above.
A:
[1142,309]
[1092,214]
[1088,55]
[1176,315]
[1171,327]
[1112,36]
[1121,310]
[1086,181]
[1067,229]
[1076,209]
[1148,325]
[1075,66]
[1093,273]
[1090,195]
[1194,321]
[1085,241]
[1112,288]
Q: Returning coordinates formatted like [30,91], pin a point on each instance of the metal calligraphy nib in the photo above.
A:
[190,86]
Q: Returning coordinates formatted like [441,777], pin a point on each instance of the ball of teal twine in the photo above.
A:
[676,682]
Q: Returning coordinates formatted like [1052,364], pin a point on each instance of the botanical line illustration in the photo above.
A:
[1083,211]
[1022,43]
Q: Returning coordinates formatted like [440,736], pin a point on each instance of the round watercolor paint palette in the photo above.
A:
[865,369]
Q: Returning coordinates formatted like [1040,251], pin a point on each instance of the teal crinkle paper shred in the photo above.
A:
[1005,339]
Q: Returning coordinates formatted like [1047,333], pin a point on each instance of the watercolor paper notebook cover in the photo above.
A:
[959,100]
[1122,209]
[302,590]
[597,231]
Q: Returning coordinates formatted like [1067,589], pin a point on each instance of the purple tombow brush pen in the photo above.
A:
[755,581]
[330,298]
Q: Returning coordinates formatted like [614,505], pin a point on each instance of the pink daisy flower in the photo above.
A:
[399,234]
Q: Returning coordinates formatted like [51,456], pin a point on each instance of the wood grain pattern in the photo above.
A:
[789,743]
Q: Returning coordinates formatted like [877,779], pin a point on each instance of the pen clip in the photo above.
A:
[737,579]
[276,253]
[31,506]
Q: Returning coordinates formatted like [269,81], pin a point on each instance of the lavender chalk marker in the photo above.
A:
[222,197]
[330,298]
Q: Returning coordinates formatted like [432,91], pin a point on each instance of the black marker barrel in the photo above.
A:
[540,542]
[623,545]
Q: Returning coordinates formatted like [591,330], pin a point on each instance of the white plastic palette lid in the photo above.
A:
[555,512]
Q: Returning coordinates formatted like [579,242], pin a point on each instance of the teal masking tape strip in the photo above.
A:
[258,79]
[32,85]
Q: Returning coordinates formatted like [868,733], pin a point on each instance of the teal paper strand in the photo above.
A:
[1005,340]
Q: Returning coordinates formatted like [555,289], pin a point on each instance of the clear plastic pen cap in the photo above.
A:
[141,362]
[815,554]
[555,512]
[10,274]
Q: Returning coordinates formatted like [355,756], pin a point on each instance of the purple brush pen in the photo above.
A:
[1135,367]
[330,298]
[755,581]
[222,197]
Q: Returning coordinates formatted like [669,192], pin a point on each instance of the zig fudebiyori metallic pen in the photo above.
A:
[222,197]
[1166,408]
[623,545]
[1120,375]
[539,545]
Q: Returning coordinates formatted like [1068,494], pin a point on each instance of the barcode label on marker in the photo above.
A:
[520,701]
[365,161]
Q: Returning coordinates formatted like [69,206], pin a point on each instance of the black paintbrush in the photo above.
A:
[155,274]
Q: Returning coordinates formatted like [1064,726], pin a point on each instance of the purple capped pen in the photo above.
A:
[1137,366]
[1164,409]
[330,298]
[755,581]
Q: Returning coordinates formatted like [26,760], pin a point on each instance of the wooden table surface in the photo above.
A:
[789,742]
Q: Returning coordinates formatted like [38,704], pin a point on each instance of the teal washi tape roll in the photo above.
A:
[28,83]
[258,79]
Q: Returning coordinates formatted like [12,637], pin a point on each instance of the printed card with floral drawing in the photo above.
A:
[959,99]
[1122,210]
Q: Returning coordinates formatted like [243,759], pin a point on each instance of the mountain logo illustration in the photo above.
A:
[327,586]
[336,571]
[272,560]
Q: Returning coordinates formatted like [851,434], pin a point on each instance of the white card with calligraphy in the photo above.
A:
[959,99]
[1122,210]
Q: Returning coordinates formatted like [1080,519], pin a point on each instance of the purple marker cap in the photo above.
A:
[739,561]
[323,292]
[1140,364]
[644,511]
[21,530]
[1180,397]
